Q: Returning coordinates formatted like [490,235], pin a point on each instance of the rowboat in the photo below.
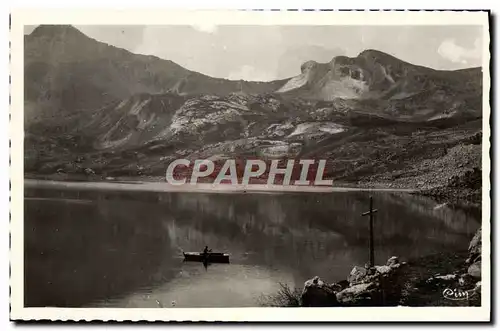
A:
[209,257]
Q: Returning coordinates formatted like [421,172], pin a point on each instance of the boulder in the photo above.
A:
[393,261]
[360,294]
[373,286]
[360,275]
[384,269]
[357,275]
[365,286]
[477,288]
[475,248]
[317,293]
[475,270]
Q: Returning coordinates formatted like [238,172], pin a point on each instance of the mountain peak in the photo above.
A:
[62,31]
[373,54]
[371,75]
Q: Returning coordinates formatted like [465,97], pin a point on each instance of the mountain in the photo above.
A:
[374,74]
[66,71]
[404,90]
[141,135]
[375,118]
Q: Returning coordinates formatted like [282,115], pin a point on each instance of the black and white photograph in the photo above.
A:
[226,162]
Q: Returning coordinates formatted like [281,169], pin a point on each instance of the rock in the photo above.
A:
[89,171]
[317,293]
[465,280]
[377,286]
[357,275]
[316,281]
[393,262]
[475,248]
[353,290]
[360,275]
[477,288]
[447,277]
[365,286]
[475,244]
[358,294]
[383,269]
[439,281]
[475,270]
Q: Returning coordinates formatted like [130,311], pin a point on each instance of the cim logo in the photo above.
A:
[457,294]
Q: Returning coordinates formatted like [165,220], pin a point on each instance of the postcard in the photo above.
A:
[240,165]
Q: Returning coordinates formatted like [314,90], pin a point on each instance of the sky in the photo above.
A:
[263,53]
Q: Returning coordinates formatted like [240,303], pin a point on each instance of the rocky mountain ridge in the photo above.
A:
[375,118]
[374,75]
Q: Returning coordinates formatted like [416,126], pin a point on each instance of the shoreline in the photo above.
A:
[155,186]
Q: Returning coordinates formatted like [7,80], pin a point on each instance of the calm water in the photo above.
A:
[124,249]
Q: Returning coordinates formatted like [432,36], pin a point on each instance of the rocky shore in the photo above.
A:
[443,279]
[364,286]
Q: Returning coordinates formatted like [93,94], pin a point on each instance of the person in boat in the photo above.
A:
[206,251]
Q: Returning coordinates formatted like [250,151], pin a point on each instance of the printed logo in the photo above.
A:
[457,294]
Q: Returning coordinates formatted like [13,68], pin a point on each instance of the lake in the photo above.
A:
[105,248]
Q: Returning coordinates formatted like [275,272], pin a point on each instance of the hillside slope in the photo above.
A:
[66,71]
[141,135]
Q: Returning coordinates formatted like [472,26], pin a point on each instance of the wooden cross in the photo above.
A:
[372,250]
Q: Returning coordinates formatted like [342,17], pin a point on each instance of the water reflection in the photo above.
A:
[87,248]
